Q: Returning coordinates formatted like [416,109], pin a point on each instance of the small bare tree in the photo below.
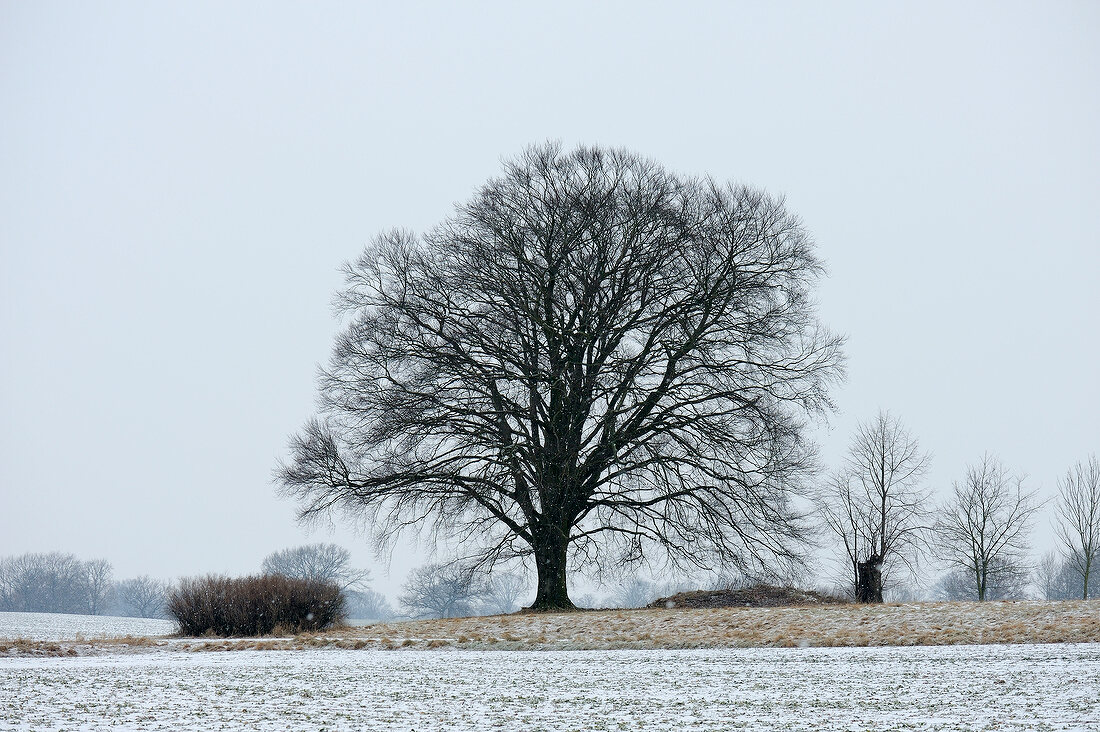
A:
[1079,514]
[368,604]
[984,528]
[633,592]
[504,591]
[442,590]
[97,574]
[1057,578]
[143,596]
[325,562]
[877,506]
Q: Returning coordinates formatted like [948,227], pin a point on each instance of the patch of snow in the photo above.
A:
[61,627]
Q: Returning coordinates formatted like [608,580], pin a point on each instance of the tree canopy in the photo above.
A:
[593,359]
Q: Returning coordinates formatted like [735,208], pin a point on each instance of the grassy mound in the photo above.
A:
[755,596]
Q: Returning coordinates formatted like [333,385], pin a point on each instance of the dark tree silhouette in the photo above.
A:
[591,358]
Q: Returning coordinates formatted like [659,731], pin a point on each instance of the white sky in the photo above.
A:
[180,182]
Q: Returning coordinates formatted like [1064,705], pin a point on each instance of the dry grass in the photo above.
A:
[79,647]
[901,624]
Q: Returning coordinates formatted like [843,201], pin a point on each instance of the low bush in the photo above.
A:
[257,605]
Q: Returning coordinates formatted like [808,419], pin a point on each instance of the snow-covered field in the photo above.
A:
[57,627]
[1014,687]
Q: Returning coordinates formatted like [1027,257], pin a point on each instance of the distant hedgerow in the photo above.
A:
[256,605]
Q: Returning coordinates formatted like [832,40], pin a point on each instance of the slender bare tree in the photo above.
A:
[877,506]
[593,359]
[1079,514]
[504,591]
[984,528]
[443,590]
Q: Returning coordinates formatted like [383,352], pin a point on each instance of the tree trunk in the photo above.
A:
[550,560]
[869,580]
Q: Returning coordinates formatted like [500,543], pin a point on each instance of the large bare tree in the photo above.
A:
[1079,518]
[592,359]
[877,505]
[983,529]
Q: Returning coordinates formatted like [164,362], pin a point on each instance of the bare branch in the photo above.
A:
[1078,528]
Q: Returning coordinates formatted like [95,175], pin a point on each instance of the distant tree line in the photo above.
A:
[56,582]
[141,597]
[454,589]
[879,513]
[457,589]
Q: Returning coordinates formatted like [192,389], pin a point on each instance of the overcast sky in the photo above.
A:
[179,184]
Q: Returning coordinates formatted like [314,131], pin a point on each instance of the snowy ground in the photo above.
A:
[58,627]
[1004,687]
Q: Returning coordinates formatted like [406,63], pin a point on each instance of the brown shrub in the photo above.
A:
[252,606]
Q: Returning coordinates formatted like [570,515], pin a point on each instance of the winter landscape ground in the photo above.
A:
[114,673]
[1017,687]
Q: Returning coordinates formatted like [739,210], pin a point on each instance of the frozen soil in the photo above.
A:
[1003,687]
